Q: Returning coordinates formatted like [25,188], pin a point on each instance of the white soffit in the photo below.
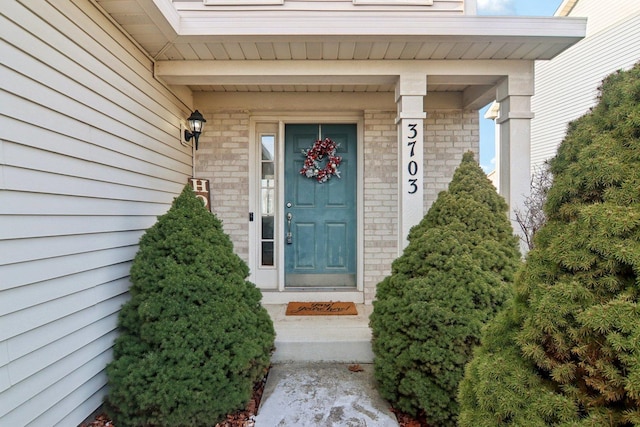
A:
[192,31]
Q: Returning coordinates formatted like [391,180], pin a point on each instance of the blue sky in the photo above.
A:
[506,7]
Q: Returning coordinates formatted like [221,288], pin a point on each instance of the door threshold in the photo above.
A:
[312,295]
[319,289]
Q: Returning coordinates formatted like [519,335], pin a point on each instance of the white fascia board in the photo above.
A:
[364,23]
[566,7]
[164,15]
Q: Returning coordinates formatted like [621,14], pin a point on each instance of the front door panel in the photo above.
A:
[321,250]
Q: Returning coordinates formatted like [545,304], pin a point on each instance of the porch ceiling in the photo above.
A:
[188,32]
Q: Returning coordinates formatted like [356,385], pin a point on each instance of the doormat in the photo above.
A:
[321,309]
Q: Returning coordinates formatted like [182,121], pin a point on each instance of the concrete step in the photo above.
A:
[345,339]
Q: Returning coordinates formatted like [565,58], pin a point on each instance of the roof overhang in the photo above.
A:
[169,33]
[193,32]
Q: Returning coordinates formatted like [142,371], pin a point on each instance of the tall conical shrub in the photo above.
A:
[193,338]
[568,352]
[453,276]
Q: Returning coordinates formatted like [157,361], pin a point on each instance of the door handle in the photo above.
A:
[289,235]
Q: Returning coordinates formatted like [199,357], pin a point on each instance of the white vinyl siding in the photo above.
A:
[567,86]
[325,5]
[603,14]
[89,157]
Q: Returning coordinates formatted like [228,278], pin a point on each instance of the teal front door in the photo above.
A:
[320,217]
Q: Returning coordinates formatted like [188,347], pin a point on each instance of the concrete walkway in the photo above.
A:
[322,395]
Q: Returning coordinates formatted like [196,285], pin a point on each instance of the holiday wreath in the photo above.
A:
[322,149]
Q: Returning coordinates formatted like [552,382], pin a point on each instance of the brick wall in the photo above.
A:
[380,197]
[223,158]
[448,135]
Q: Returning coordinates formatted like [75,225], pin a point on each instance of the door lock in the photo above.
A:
[289,235]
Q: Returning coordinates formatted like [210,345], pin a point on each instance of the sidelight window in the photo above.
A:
[267,200]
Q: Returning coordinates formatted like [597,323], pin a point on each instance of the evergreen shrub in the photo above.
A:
[567,352]
[453,276]
[194,338]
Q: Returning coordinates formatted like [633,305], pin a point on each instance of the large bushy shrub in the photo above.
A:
[193,338]
[568,351]
[453,276]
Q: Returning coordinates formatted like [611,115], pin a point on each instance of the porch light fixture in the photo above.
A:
[196,123]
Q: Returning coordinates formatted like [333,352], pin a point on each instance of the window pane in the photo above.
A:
[268,183]
[267,171]
[268,147]
[268,201]
[267,227]
[267,253]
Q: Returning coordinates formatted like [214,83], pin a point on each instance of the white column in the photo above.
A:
[410,92]
[492,114]
[514,94]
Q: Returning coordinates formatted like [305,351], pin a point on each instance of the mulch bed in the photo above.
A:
[406,421]
[246,418]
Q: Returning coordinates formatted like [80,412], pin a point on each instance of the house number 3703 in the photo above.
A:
[412,165]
